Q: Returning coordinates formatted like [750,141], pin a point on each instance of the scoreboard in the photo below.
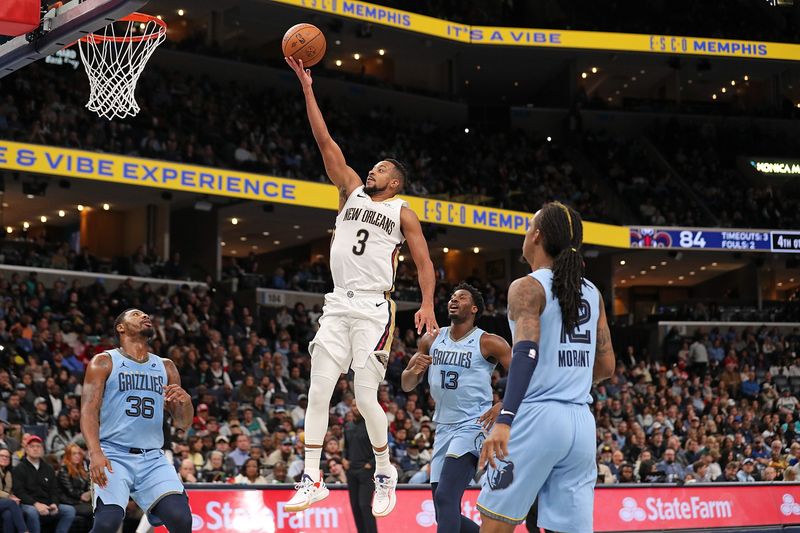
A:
[783,241]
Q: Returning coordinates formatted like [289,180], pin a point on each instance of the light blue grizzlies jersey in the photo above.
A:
[460,378]
[566,359]
[132,414]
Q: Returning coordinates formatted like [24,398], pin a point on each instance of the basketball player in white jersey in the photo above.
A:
[357,322]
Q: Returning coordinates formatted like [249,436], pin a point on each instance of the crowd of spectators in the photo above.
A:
[705,155]
[204,122]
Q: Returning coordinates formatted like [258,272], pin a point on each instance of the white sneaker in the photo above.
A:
[385,498]
[308,493]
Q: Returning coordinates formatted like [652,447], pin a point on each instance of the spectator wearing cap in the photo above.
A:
[214,470]
[745,474]
[606,455]
[411,462]
[241,452]
[299,412]
[36,486]
[284,453]
[41,415]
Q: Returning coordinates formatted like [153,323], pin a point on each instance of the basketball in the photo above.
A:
[304,42]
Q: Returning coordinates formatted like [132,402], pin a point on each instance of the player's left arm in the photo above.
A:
[176,400]
[412,230]
[526,302]
[495,349]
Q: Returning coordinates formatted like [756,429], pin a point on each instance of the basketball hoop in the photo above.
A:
[115,58]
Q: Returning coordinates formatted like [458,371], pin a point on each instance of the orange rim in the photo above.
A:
[133,17]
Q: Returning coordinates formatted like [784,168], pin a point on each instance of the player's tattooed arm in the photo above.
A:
[526,302]
[94,385]
[176,400]
[418,364]
[604,360]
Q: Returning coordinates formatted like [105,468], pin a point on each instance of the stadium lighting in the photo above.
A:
[401,258]
[476,250]
[622,262]
[265,233]
[43,219]
[724,90]
[633,78]
[299,237]
[670,282]
[338,42]
[25,225]
[733,82]
[234,221]
[584,75]
[663,263]
[791,280]
[356,56]
[624,281]
[338,62]
[181,12]
[29,196]
[652,267]
[632,276]
[160,17]
[594,70]
[713,96]
[9,229]
[254,247]
[746,77]
[643,272]
[445,249]
[142,26]
[691,273]
[80,207]
[106,207]
[703,267]
[549,138]
[641,71]
[466,130]
[381,52]
[681,278]
[780,284]
[233,252]
[222,243]
[714,264]
[62,213]
[276,242]
[296,226]
[624,85]
[243,238]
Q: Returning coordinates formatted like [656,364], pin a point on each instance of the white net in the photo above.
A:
[114,59]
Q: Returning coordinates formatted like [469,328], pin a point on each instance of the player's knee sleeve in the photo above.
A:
[107,518]
[324,375]
[174,511]
[366,384]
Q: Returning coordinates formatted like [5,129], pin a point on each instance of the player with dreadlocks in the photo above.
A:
[562,345]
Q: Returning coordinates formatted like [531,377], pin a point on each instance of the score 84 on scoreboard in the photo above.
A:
[716,239]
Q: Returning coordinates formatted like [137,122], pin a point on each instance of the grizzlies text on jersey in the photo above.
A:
[460,377]
[132,413]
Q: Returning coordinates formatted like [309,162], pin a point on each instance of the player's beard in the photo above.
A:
[372,191]
[148,333]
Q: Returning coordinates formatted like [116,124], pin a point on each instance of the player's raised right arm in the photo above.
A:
[344,177]
[94,385]
[418,364]
[604,361]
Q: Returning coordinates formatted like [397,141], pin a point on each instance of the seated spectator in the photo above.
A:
[336,473]
[730,473]
[604,474]
[242,451]
[36,486]
[60,437]
[626,474]
[10,511]
[73,481]
[214,470]
[250,474]
[187,471]
[745,474]
[279,474]
[285,454]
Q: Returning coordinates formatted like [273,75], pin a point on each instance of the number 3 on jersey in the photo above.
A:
[361,244]
[577,336]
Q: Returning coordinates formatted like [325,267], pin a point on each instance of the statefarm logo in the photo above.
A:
[789,507]
[693,508]
[252,515]
[427,515]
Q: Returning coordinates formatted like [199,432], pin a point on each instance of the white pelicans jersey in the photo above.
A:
[366,243]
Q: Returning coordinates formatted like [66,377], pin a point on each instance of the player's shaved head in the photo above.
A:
[400,171]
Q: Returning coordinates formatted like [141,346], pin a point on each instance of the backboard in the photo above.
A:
[62,26]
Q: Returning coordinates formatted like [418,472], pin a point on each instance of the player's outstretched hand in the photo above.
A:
[98,463]
[495,446]
[419,363]
[425,318]
[304,75]
[175,394]
[487,419]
